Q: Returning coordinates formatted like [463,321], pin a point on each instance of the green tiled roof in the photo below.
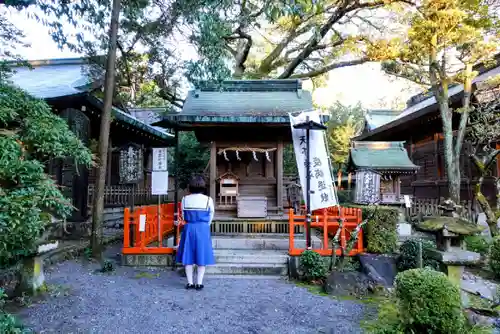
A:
[242,101]
[377,118]
[380,156]
[122,116]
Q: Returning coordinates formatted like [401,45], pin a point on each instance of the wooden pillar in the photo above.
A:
[279,175]
[213,170]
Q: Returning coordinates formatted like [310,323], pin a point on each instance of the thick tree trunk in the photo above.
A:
[98,207]
[451,160]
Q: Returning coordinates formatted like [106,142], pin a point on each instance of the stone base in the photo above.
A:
[32,277]
[454,273]
[150,260]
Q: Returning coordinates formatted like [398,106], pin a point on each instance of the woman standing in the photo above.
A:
[195,246]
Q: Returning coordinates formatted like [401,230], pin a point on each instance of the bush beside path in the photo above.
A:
[139,300]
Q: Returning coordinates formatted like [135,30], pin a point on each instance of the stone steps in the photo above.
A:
[250,256]
[260,243]
[260,269]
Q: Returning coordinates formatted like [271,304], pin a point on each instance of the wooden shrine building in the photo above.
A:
[420,127]
[378,167]
[245,123]
[66,85]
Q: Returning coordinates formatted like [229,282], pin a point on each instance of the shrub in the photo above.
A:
[495,256]
[344,196]
[429,302]
[30,134]
[381,232]
[312,266]
[408,257]
[9,324]
[478,244]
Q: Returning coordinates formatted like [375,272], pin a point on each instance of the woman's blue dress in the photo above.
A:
[195,245]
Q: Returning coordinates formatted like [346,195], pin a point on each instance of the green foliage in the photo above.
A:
[495,256]
[30,134]
[408,257]
[381,232]
[345,123]
[388,319]
[193,158]
[107,266]
[289,161]
[429,302]
[345,196]
[312,266]
[478,244]
[9,324]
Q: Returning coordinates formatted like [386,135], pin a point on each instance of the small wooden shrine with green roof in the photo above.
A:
[246,125]
[378,166]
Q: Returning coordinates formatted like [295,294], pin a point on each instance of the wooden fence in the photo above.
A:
[327,221]
[121,195]
[430,207]
[149,237]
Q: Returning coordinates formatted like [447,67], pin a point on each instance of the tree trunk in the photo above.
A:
[98,206]
[451,160]
[491,217]
[483,165]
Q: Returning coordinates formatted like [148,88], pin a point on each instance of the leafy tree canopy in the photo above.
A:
[30,135]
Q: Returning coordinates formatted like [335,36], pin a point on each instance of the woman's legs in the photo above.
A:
[201,273]
[189,273]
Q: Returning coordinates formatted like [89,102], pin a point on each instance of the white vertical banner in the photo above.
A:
[322,189]
[159,174]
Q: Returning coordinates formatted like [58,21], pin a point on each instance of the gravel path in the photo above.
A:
[130,301]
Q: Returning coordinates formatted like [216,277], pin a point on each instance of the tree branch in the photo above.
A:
[329,68]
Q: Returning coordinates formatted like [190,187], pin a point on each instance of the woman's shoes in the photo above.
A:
[196,287]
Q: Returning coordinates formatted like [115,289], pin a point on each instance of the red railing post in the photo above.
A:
[126,228]
[142,211]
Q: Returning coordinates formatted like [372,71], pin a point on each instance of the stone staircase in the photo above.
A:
[251,254]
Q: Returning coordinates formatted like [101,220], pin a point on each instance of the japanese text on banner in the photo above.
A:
[322,190]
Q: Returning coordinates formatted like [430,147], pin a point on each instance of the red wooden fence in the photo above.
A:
[327,220]
[154,230]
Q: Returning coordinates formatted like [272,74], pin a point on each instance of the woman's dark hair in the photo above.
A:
[197,185]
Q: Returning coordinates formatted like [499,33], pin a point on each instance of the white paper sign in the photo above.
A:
[407,201]
[142,223]
[322,190]
[159,183]
[160,159]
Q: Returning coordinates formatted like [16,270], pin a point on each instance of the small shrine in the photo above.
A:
[246,125]
[378,167]
[228,185]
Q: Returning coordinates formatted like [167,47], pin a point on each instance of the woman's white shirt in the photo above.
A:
[199,201]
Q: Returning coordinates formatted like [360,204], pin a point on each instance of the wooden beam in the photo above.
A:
[213,170]
[279,175]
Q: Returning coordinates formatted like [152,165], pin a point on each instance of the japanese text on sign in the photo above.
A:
[322,190]
[160,159]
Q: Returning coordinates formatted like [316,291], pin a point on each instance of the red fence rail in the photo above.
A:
[327,220]
[150,239]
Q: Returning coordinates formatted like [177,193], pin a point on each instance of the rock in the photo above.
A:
[476,319]
[379,268]
[349,283]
